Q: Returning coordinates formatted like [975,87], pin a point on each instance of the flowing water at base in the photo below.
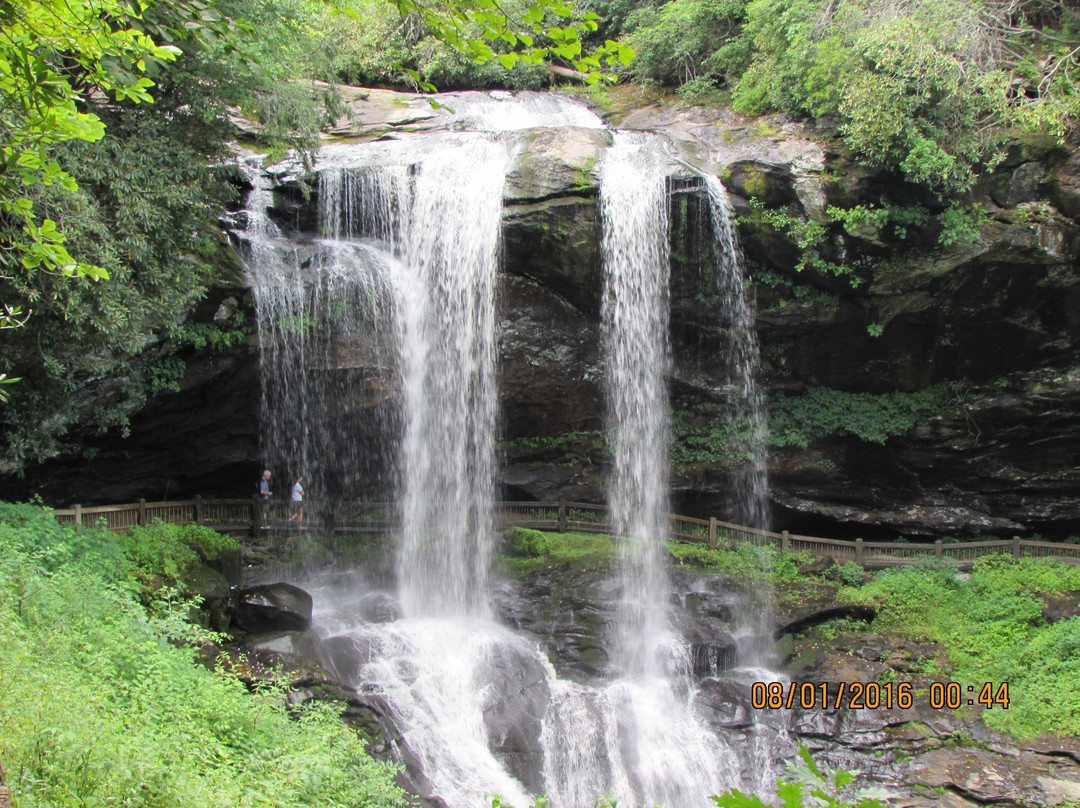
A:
[478,710]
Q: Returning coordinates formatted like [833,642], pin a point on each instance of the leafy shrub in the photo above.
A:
[1002,636]
[172,552]
[850,573]
[675,41]
[522,542]
[745,560]
[823,412]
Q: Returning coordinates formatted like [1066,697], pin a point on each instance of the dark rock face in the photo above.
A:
[517,701]
[272,608]
[991,313]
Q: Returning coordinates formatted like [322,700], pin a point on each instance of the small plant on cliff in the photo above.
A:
[824,412]
[809,785]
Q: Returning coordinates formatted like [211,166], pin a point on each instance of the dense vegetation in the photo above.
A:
[1003,638]
[103,700]
[932,89]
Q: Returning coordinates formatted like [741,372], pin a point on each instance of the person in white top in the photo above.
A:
[296,502]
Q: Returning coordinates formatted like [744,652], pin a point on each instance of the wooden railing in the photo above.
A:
[561,516]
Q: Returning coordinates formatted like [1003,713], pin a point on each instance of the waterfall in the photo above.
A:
[402,280]
[438,213]
[448,453]
[320,309]
[634,209]
[747,406]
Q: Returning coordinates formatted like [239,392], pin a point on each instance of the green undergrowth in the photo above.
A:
[528,551]
[992,629]
[102,701]
[743,561]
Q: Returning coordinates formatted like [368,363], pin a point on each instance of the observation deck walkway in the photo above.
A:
[341,520]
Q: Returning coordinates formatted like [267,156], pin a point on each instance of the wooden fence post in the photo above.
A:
[198,509]
[785,542]
[937,548]
[712,532]
[256,514]
[1016,546]
[78,513]
[858,552]
[140,519]
[562,515]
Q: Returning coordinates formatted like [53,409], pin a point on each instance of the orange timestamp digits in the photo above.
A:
[873,695]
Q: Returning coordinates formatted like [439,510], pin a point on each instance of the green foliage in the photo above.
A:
[521,542]
[675,41]
[102,698]
[1002,638]
[570,551]
[850,573]
[527,32]
[807,784]
[794,292]
[879,224]
[823,412]
[587,440]
[173,551]
[930,89]
[810,236]
[704,433]
[960,224]
[744,561]
[52,55]
[217,335]
[858,219]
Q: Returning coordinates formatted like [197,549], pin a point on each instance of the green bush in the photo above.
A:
[823,412]
[746,561]
[522,542]
[850,573]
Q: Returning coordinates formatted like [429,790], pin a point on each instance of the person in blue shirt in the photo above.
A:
[265,493]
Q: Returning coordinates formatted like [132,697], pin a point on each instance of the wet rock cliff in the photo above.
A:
[919,355]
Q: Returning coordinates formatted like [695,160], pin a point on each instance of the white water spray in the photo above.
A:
[747,407]
[634,207]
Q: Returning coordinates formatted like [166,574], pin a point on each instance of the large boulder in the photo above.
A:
[272,608]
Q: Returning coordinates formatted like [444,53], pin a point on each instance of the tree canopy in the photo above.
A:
[932,88]
[115,124]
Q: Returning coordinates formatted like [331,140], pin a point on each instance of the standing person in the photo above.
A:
[296,501]
[265,493]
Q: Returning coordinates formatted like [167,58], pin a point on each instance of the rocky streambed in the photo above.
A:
[925,756]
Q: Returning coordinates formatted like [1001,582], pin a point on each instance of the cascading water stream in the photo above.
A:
[448,456]
[747,405]
[318,309]
[634,210]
